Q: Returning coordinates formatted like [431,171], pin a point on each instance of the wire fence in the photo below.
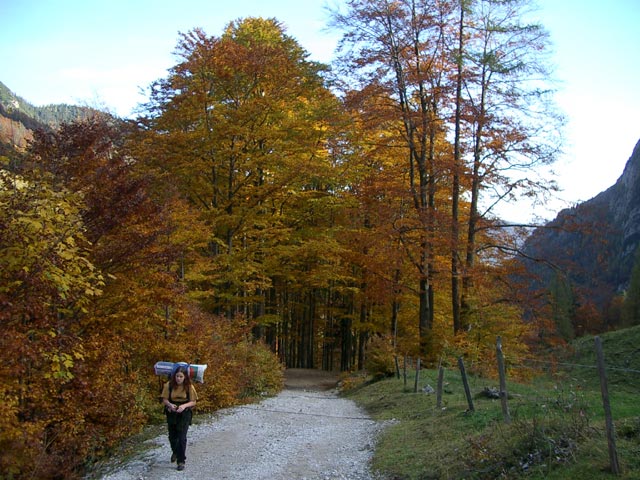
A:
[599,366]
[569,364]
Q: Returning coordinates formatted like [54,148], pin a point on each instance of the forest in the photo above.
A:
[266,211]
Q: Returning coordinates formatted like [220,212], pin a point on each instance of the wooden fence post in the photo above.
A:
[415,384]
[503,382]
[611,436]
[465,382]
[440,383]
[405,371]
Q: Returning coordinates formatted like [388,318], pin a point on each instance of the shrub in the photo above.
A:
[261,372]
[380,361]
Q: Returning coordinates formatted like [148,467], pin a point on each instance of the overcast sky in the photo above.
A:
[104,53]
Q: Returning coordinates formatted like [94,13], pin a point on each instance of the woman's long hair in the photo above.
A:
[187,380]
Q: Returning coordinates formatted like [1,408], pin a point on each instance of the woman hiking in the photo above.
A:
[179,397]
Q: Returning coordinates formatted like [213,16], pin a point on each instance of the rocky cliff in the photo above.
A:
[624,205]
[594,243]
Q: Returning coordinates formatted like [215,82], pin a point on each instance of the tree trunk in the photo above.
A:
[472,227]
[395,308]
[455,194]
[346,344]
[362,344]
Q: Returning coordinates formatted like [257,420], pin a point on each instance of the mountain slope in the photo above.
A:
[19,119]
[594,243]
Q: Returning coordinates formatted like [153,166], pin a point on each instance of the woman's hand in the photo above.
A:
[180,409]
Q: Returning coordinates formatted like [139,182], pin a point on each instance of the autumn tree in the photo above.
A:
[240,126]
[396,50]
[47,284]
[118,334]
[365,236]
[92,290]
[457,167]
[129,229]
[508,121]
[467,81]
[382,220]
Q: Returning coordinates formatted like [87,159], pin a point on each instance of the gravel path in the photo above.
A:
[299,434]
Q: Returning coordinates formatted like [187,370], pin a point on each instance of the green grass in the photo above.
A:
[557,429]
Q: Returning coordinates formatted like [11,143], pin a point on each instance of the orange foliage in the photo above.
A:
[588,319]
[85,323]
[236,196]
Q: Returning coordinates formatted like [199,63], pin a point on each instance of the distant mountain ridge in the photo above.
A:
[51,115]
[595,242]
[19,118]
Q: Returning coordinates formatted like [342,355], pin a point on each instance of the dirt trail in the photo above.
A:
[308,379]
[305,432]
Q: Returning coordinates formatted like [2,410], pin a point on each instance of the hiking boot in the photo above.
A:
[173,458]
[181,466]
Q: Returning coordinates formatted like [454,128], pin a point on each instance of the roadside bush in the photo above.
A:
[352,381]
[261,374]
[380,358]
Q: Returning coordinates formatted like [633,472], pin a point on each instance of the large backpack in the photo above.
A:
[162,367]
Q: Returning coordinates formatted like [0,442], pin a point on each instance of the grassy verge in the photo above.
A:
[557,429]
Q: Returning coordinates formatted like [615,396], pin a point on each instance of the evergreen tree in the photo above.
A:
[631,306]
[563,306]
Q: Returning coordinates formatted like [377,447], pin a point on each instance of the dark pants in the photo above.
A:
[178,424]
